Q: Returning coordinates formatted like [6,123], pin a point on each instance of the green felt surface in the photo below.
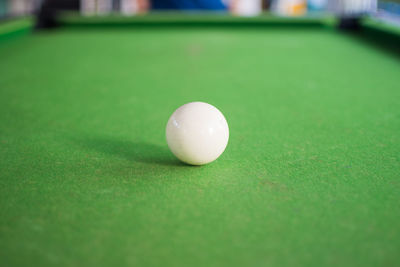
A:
[15,27]
[310,176]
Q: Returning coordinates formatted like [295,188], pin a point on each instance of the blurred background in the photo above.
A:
[388,9]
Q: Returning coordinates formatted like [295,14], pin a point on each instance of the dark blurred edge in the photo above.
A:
[349,23]
[49,12]
[206,23]
[378,37]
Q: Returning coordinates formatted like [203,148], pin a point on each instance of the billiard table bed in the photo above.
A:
[310,177]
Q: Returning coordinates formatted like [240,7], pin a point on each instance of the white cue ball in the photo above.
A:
[197,133]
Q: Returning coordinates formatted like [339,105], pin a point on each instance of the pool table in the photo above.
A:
[310,177]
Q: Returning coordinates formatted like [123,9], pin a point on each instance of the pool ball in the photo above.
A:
[197,133]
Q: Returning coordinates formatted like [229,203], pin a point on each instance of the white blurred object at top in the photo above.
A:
[352,7]
[246,8]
